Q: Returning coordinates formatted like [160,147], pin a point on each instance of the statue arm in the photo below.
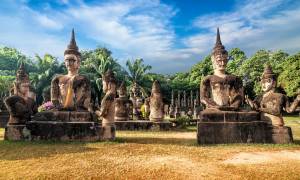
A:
[205,95]
[291,108]
[105,105]
[14,107]
[238,94]
[55,91]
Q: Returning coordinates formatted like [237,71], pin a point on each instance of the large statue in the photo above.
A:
[122,105]
[107,110]
[156,103]
[220,90]
[271,104]
[20,106]
[71,91]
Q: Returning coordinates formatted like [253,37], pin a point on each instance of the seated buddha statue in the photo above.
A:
[19,105]
[271,104]
[71,92]
[221,91]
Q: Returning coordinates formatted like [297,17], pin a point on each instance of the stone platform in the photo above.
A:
[57,126]
[133,125]
[279,135]
[222,127]
[64,131]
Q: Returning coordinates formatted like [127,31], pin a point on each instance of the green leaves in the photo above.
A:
[137,70]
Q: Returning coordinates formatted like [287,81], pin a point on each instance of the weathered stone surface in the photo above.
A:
[64,131]
[143,125]
[212,115]
[279,135]
[221,127]
[108,132]
[15,132]
[4,117]
[231,132]
[65,116]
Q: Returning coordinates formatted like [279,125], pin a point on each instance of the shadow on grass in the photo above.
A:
[20,150]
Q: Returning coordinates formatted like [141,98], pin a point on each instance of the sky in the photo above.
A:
[170,35]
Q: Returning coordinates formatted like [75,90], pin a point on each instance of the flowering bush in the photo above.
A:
[46,106]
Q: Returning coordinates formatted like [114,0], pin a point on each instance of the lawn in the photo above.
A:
[151,155]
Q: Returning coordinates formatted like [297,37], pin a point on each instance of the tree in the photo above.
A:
[236,58]
[289,78]
[137,70]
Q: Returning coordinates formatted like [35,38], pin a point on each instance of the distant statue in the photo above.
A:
[156,103]
[271,104]
[122,104]
[220,90]
[107,110]
[72,91]
[147,108]
[20,106]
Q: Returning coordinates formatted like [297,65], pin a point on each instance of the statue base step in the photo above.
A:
[16,132]
[64,131]
[279,135]
[222,127]
[142,125]
[4,117]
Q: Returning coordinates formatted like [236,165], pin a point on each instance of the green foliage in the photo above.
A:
[137,70]
[182,121]
[6,84]
[236,59]
[289,78]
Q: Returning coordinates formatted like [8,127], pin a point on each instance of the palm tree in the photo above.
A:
[137,70]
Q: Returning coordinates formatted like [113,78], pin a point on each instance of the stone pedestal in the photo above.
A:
[64,126]
[108,132]
[222,127]
[16,132]
[4,117]
[279,135]
[64,131]
[143,125]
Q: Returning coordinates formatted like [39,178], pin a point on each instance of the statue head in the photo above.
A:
[109,81]
[72,56]
[22,83]
[268,79]
[219,55]
[122,90]
[155,87]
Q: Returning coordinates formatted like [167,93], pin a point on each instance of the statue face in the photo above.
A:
[267,84]
[72,62]
[24,89]
[220,61]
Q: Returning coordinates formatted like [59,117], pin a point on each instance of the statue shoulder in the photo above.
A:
[56,78]
[207,79]
[9,101]
[81,79]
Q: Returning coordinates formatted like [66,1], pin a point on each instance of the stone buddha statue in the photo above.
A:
[271,104]
[122,104]
[71,92]
[156,103]
[221,91]
[107,110]
[20,106]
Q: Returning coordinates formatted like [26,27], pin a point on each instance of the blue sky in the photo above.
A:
[169,35]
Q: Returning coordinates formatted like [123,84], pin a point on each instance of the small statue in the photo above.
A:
[122,105]
[220,90]
[147,108]
[270,103]
[107,110]
[156,103]
[20,106]
[71,92]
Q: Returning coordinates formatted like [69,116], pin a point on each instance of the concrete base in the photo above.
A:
[65,116]
[143,125]
[108,132]
[16,132]
[64,131]
[279,135]
[222,127]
